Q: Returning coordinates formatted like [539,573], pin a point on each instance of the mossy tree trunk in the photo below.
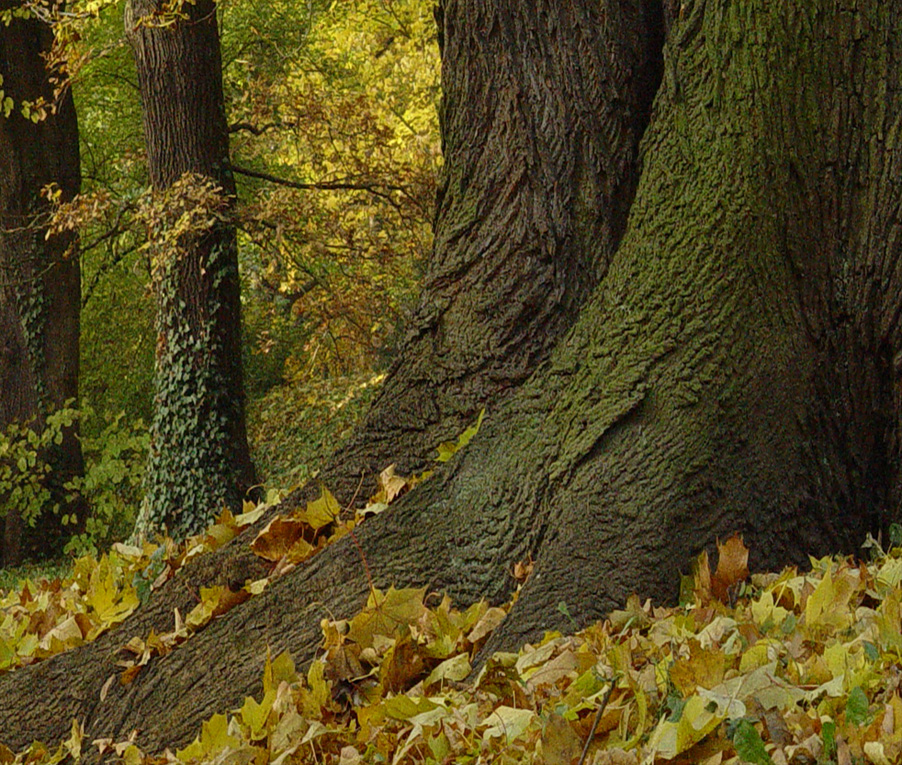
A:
[735,368]
[200,460]
[40,294]
[543,106]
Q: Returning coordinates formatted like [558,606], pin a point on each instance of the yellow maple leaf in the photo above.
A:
[214,739]
[385,613]
[321,512]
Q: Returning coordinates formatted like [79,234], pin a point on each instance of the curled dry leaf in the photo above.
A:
[391,485]
[523,568]
[279,536]
[732,567]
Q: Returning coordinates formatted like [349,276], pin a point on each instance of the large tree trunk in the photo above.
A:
[40,289]
[734,369]
[543,106]
[200,460]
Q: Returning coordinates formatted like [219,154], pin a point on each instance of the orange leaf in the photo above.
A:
[278,538]
[701,574]
[129,674]
[732,567]
[228,600]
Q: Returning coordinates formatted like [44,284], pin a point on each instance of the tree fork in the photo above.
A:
[543,108]
[731,372]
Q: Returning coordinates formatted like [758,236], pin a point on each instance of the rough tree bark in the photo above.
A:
[40,289]
[542,112]
[735,368]
[199,453]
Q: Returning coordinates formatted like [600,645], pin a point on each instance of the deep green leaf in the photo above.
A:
[749,745]
[857,707]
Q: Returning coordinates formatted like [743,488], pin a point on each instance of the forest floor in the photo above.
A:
[772,668]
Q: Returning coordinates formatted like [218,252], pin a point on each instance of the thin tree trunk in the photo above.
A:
[200,460]
[39,277]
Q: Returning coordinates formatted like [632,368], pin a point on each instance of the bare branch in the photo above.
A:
[380,190]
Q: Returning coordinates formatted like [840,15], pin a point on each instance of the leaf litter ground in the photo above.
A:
[778,668]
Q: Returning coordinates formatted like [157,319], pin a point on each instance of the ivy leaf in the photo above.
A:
[749,745]
[857,707]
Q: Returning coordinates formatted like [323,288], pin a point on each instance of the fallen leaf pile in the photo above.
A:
[781,668]
[286,541]
[46,617]
[42,618]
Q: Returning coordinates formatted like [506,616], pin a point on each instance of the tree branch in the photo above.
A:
[376,189]
[249,127]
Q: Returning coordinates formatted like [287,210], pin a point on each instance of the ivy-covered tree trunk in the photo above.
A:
[735,368]
[200,460]
[40,294]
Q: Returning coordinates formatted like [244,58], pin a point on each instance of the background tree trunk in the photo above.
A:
[733,370]
[40,291]
[200,460]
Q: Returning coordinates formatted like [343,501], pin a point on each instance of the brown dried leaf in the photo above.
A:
[279,536]
[106,687]
[559,742]
[523,568]
[401,665]
[129,674]
[732,567]
[701,573]
[384,613]
[703,667]
[487,624]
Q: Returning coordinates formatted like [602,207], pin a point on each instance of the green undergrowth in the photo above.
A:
[780,668]
[293,429]
[16,577]
[115,455]
[295,426]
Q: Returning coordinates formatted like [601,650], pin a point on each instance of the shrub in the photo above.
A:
[111,485]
